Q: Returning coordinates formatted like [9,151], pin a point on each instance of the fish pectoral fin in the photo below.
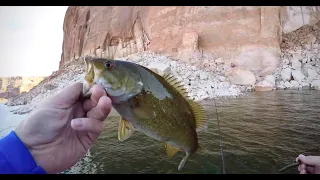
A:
[125,129]
[200,115]
[183,161]
[171,151]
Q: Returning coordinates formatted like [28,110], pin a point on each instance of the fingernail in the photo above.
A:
[77,123]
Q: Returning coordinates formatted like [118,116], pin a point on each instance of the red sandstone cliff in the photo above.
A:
[182,32]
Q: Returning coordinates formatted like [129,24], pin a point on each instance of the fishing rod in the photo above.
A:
[221,146]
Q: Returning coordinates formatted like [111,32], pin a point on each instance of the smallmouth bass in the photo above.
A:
[155,105]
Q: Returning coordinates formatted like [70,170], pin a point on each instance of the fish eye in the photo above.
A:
[108,64]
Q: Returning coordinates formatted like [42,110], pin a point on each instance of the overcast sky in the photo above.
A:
[30,40]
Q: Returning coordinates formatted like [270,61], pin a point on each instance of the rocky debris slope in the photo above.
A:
[201,84]
[300,59]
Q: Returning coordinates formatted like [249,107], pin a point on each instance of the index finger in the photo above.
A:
[97,92]
[309,160]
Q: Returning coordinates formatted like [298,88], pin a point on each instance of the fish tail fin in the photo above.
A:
[183,161]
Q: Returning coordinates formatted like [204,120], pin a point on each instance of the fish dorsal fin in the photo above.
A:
[171,151]
[176,84]
[125,129]
[169,77]
[199,113]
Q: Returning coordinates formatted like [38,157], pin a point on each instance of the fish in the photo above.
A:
[153,104]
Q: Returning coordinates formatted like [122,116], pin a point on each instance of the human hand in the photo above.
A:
[59,132]
[309,164]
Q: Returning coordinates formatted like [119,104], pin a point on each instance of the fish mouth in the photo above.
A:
[85,88]
[115,93]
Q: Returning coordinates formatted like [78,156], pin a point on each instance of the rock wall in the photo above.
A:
[246,36]
[13,86]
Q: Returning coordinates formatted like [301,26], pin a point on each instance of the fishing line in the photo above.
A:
[222,156]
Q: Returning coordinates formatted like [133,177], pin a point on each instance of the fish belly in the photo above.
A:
[152,134]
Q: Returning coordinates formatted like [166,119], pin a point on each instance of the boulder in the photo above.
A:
[286,74]
[297,75]
[240,76]
[287,84]
[294,84]
[311,73]
[264,86]
[159,68]
[305,68]
[271,79]
[296,64]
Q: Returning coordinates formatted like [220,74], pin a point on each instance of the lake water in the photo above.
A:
[262,132]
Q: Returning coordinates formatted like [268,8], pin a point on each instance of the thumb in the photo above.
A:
[309,160]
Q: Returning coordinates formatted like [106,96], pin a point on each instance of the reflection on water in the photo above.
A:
[261,132]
